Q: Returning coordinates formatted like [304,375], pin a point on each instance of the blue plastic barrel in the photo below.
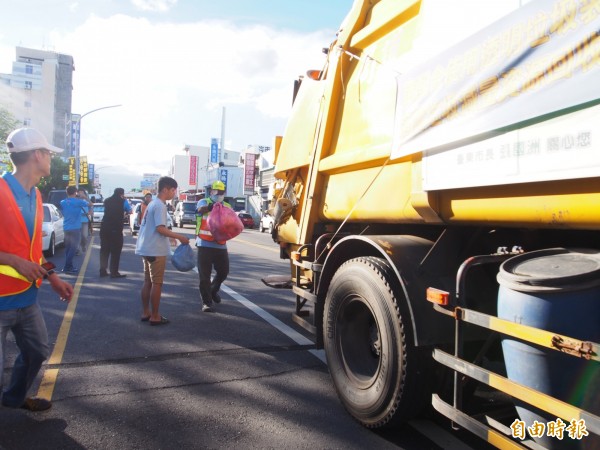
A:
[557,290]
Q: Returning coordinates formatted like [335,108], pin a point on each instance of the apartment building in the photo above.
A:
[39,90]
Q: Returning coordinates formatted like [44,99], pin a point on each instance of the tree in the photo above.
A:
[58,167]
[8,123]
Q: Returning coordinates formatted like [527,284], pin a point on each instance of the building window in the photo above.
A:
[225,155]
[28,69]
[27,103]
[28,85]
[26,122]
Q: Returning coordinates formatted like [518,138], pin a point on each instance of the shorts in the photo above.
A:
[154,268]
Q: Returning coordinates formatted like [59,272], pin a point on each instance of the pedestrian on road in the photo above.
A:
[111,233]
[211,253]
[86,218]
[154,247]
[145,202]
[72,208]
[21,270]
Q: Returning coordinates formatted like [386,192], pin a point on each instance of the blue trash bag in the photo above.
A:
[184,258]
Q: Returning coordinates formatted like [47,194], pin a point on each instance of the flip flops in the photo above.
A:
[162,321]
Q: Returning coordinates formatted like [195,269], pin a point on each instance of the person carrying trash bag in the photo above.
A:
[154,245]
[212,253]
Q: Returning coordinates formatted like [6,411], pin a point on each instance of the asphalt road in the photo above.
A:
[243,377]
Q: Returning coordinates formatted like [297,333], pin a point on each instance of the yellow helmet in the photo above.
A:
[218,186]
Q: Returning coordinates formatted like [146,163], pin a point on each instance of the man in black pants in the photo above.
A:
[111,233]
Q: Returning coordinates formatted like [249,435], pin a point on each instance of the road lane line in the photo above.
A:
[434,432]
[274,322]
[262,246]
[50,376]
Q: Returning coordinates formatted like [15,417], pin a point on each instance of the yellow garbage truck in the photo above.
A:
[439,202]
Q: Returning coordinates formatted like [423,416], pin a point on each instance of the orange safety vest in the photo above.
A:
[15,239]
[203,231]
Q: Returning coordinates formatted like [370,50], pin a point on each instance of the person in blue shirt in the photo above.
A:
[22,266]
[71,208]
[86,215]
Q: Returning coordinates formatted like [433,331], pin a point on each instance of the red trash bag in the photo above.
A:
[224,223]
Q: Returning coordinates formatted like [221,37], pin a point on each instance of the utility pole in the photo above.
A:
[222,149]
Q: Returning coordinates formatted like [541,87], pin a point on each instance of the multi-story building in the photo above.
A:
[39,90]
[194,171]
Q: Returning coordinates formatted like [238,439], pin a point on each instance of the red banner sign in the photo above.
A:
[193,170]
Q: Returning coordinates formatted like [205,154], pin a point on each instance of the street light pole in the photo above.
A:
[77,149]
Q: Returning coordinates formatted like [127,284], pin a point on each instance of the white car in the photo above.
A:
[134,226]
[53,233]
[98,213]
[266,223]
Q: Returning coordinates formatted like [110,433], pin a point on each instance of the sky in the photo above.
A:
[174,66]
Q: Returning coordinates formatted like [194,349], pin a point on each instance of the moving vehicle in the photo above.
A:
[134,226]
[438,200]
[266,223]
[133,203]
[247,219]
[185,212]
[53,233]
[97,213]
[55,196]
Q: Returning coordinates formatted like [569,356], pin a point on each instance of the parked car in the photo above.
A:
[98,213]
[52,229]
[246,219]
[185,212]
[266,223]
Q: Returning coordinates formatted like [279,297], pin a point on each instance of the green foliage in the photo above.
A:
[7,124]
[58,167]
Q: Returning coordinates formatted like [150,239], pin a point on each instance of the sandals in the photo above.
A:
[162,321]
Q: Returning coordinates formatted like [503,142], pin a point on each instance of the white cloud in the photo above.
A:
[154,5]
[173,81]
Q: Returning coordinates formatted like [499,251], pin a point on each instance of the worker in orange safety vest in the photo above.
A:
[211,253]
[22,265]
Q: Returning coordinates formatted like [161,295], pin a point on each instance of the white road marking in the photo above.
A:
[435,433]
[274,322]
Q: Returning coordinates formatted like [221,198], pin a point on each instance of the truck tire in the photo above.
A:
[371,358]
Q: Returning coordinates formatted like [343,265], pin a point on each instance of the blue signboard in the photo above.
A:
[223,176]
[214,150]
[75,128]
[91,173]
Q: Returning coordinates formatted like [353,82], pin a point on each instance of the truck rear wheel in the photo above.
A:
[371,358]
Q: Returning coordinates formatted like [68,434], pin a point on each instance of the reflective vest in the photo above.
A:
[202,230]
[15,239]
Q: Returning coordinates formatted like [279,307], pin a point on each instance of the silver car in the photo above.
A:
[185,212]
